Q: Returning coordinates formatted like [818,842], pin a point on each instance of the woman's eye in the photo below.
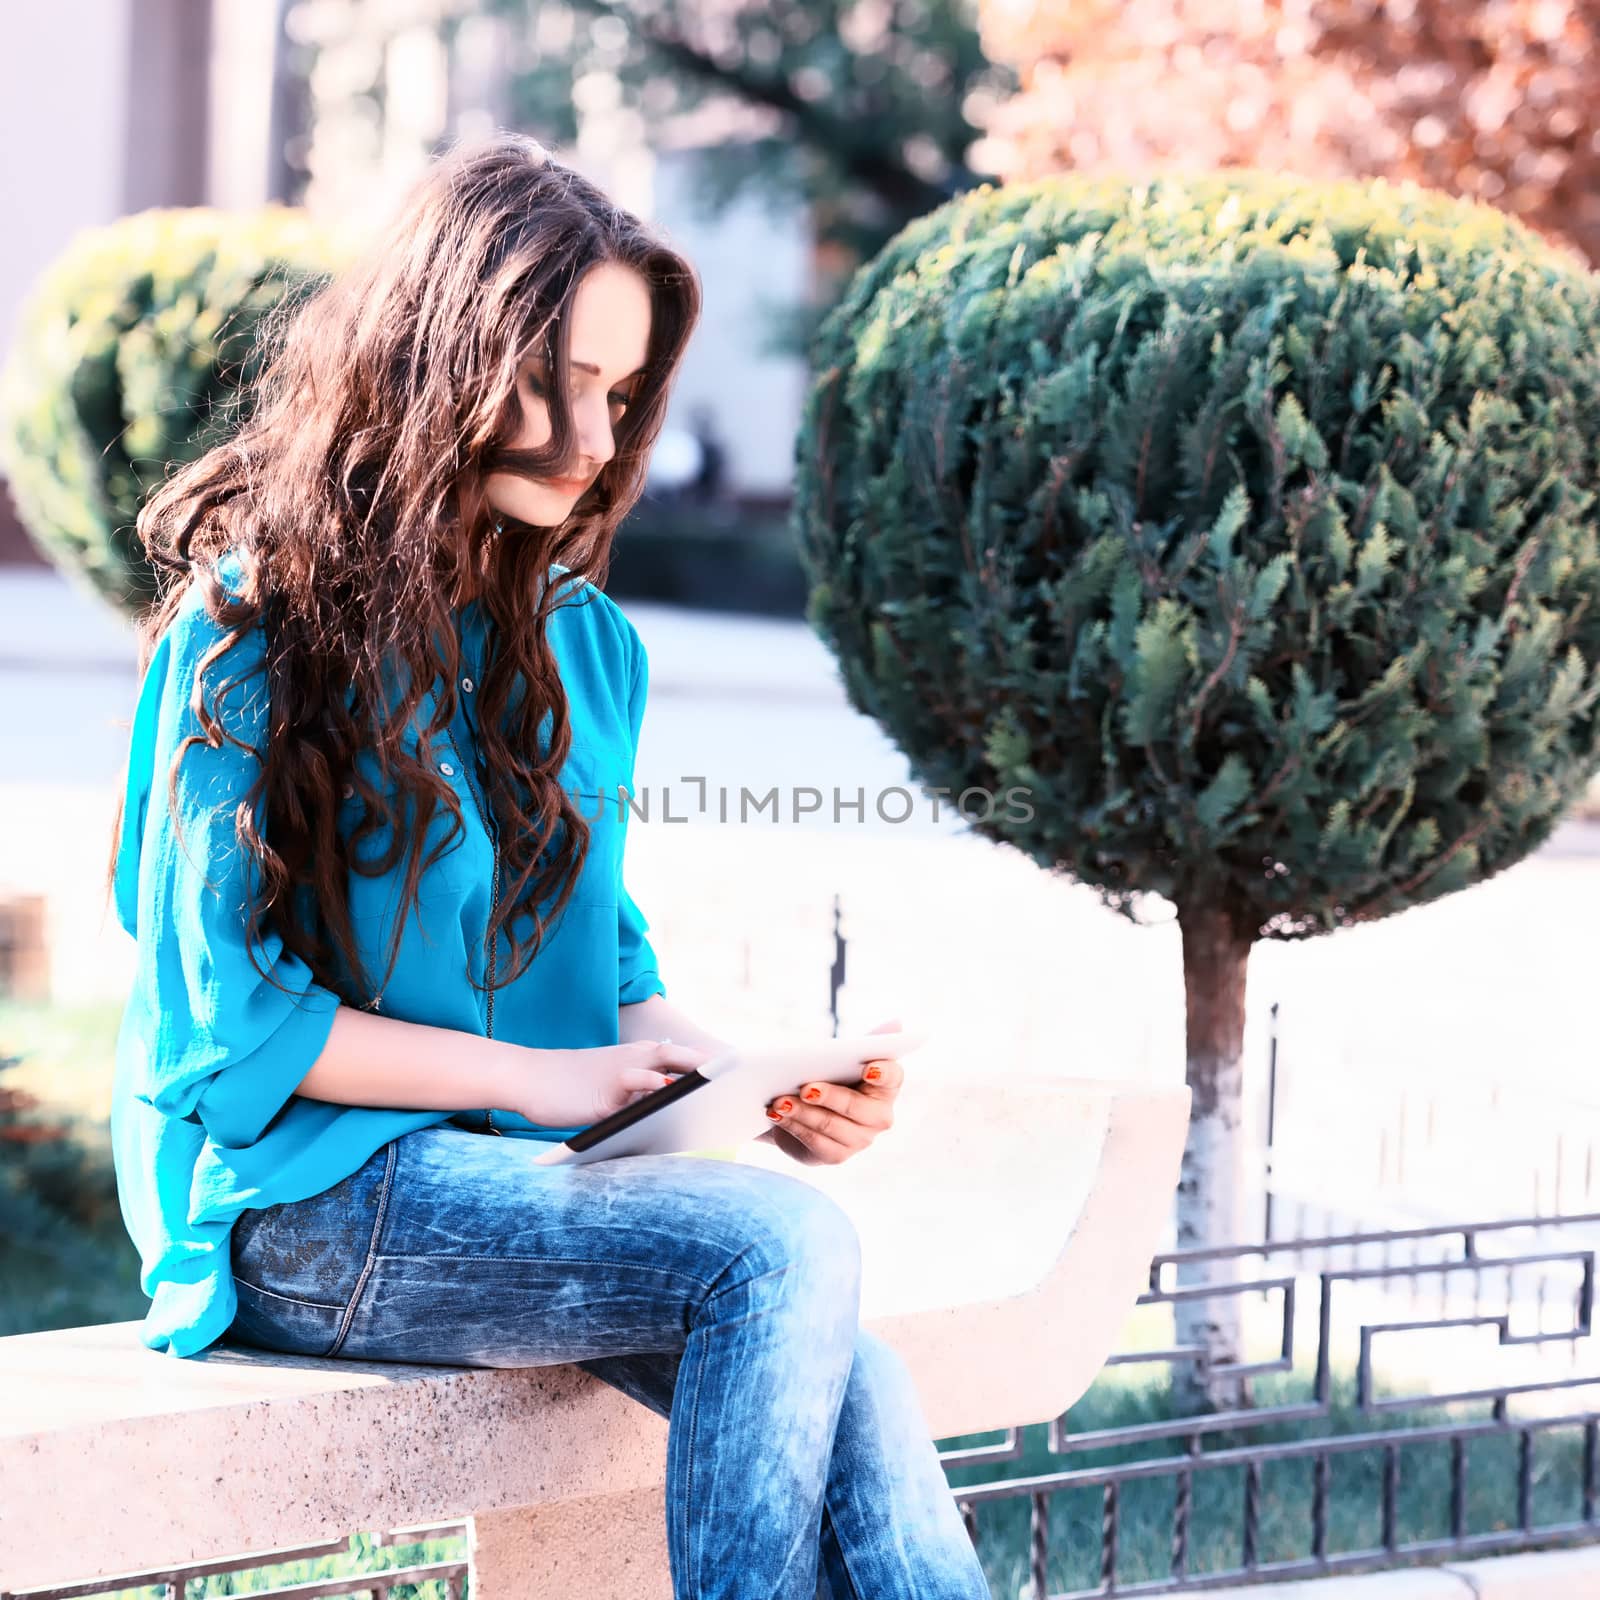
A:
[622,400]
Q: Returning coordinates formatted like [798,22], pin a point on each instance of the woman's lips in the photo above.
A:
[571,485]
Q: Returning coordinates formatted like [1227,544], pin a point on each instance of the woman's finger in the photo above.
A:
[668,1055]
[835,1099]
[821,1146]
[888,1074]
[644,1079]
[832,1125]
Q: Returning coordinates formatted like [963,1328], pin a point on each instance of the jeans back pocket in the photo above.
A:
[299,1265]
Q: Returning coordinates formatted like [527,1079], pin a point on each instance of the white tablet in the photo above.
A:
[724,1100]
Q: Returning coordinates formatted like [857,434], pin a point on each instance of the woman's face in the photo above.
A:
[610,339]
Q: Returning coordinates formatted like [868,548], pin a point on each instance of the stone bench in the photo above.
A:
[1006,1226]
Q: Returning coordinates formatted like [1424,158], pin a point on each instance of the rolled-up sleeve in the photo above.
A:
[638,974]
[223,1033]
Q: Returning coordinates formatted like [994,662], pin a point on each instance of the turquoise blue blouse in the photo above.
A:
[205,1122]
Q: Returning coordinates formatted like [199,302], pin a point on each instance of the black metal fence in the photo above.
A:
[1363,1302]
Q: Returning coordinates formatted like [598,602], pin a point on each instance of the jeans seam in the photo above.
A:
[838,1543]
[544,1261]
[372,1248]
[290,1299]
[690,1546]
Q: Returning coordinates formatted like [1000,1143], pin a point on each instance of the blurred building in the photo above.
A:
[103,110]
[111,106]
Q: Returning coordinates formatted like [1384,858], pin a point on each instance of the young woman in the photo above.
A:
[371,852]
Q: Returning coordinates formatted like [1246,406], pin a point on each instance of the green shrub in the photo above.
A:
[132,353]
[1246,522]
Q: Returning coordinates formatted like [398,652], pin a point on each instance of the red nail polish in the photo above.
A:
[774,1115]
[786,1105]
[812,1093]
[872,1074]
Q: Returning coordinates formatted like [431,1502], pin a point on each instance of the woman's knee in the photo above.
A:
[793,1233]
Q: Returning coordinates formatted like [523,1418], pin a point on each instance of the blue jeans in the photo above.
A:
[724,1297]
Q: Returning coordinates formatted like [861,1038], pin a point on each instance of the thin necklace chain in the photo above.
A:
[494,934]
[494,902]
[376,1002]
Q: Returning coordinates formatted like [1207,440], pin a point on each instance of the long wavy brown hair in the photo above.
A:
[353,496]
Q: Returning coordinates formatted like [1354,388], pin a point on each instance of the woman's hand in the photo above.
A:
[574,1088]
[827,1123]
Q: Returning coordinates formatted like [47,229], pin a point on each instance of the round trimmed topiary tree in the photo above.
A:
[134,353]
[1234,536]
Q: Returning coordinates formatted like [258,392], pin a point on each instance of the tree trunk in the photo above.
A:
[1211,1190]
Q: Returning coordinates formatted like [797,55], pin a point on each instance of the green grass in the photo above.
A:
[364,1557]
[68,1056]
[65,1258]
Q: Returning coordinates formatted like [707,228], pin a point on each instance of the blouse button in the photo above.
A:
[447,769]
[466,683]
[349,791]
